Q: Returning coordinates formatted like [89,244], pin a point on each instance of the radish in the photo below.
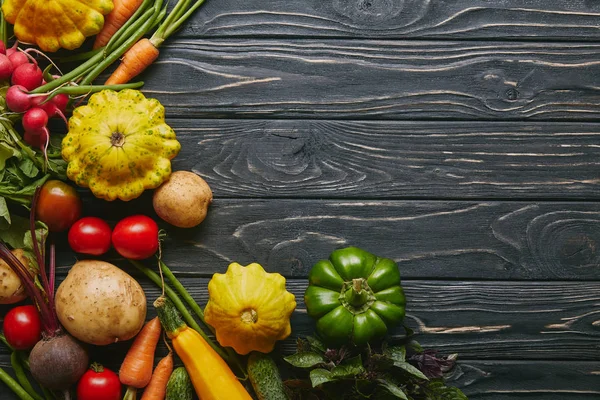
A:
[6,67]
[12,49]
[38,139]
[27,75]
[17,58]
[57,361]
[17,99]
[2,47]
[55,107]
[35,119]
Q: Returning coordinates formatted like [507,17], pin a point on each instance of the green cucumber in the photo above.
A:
[265,378]
[179,386]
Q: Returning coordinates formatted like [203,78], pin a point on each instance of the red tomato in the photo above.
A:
[99,383]
[136,237]
[22,327]
[90,235]
[59,205]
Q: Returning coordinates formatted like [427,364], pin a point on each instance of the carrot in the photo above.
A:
[134,61]
[157,388]
[136,369]
[122,11]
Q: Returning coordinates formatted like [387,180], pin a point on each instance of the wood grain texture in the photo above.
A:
[388,159]
[357,79]
[478,320]
[564,20]
[429,239]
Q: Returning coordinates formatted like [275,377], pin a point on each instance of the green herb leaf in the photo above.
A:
[316,344]
[14,234]
[437,390]
[349,368]
[27,166]
[396,353]
[305,359]
[4,214]
[393,389]
[6,152]
[319,376]
[410,369]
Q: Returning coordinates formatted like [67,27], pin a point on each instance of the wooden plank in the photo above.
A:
[478,320]
[572,20]
[533,380]
[488,380]
[359,79]
[429,239]
[388,159]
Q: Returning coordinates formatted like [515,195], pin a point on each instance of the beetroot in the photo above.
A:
[27,75]
[58,362]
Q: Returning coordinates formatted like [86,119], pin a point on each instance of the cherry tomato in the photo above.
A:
[90,235]
[22,327]
[59,205]
[136,237]
[99,383]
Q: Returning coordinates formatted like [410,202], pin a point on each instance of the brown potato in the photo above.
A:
[11,288]
[183,199]
[100,304]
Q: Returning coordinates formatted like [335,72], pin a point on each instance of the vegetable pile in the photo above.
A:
[63,137]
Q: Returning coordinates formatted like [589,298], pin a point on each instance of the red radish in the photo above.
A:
[17,58]
[17,99]
[2,47]
[52,107]
[12,49]
[57,361]
[27,75]
[6,67]
[38,138]
[35,119]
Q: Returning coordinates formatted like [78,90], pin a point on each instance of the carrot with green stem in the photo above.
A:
[145,51]
[120,14]
[136,369]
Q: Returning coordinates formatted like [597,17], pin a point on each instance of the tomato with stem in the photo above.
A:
[22,327]
[99,383]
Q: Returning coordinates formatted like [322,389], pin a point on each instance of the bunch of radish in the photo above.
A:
[25,75]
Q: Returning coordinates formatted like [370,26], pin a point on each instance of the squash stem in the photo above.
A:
[172,295]
[195,307]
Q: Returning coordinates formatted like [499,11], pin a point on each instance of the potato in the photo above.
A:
[11,288]
[183,199]
[100,304]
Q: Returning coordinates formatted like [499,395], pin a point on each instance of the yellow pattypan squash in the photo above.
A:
[118,145]
[52,24]
[249,308]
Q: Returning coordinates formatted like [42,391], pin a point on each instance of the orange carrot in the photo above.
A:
[157,388]
[136,370]
[122,11]
[134,61]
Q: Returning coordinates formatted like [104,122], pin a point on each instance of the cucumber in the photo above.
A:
[179,386]
[264,376]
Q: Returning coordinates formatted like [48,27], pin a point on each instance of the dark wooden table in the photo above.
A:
[458,137]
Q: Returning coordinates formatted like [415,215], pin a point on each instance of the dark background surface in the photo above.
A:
[460,138]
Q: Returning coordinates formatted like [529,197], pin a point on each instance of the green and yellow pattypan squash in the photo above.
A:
[55,24]
[118,145]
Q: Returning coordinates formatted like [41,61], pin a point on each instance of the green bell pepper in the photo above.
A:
[355,297]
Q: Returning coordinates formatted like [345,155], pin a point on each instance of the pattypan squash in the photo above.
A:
[118,145]
[249,308]
[52,24]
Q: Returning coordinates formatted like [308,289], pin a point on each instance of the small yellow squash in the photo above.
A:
[52,24]
[118,145]
[249,308]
